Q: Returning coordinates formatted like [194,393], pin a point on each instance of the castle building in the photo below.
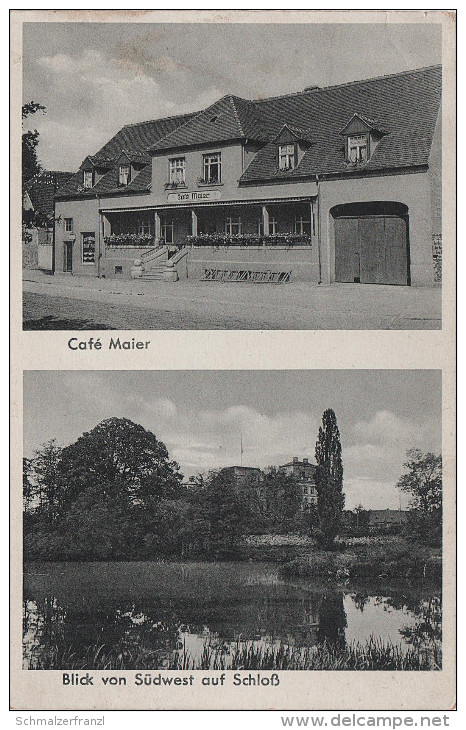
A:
[245,475]
[334,184]
[304,474]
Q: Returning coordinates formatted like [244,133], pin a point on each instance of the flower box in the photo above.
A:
[249,239]
[135,240]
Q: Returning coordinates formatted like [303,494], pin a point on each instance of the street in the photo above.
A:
[79,303]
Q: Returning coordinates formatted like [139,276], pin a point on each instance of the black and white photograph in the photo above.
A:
[232,175]
[261,520]
[232,366]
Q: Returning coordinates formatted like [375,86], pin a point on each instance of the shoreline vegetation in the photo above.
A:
[360,559]
[372,655]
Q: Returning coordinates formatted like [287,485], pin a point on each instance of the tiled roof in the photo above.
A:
[135,140]
[41,190]
[98,160]
[405,104]
[136,156]
[228,119]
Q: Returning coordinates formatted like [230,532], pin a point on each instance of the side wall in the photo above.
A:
[411,189]
[85,215]
[435,178]
[299,260]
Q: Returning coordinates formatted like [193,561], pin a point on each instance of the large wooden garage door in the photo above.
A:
[371,249]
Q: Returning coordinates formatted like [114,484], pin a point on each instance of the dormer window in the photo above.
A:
[286,157]
[124,175]
[88,179]
[357,148]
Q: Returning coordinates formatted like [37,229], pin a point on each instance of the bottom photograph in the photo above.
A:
[275,520]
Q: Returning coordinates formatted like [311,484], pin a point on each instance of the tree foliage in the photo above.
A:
[125,460]
[282,501]
[232,509]
[30,140]
[423,481]
[329,480]
[97,498]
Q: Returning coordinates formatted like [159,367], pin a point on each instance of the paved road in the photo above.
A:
[62,303]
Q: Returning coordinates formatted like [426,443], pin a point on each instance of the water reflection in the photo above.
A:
[69,616]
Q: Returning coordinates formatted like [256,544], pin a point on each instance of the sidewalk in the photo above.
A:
[190,304]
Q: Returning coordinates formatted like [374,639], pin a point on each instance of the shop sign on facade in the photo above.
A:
[199,196]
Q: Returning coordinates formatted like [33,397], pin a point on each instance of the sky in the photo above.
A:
[201,415]
[95,77]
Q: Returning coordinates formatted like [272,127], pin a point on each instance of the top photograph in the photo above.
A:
[236,176]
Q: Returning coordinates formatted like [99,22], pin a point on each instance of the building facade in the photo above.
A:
[304,475]
[38,211]
[335,184]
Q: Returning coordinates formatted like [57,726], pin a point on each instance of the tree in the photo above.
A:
[362,518]
[329,480]
[30,140]
[423,480]
[232,510]
[28,487]
[96,499]
[45,485]
[282,499]
[124,460]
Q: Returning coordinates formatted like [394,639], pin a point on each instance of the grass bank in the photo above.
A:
[372,655]
[394,558]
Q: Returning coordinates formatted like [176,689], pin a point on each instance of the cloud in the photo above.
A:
[89,97]
[374,457]
[384,426]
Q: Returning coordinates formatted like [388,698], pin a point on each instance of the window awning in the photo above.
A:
[213,204]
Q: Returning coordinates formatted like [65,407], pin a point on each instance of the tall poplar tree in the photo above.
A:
[329,480]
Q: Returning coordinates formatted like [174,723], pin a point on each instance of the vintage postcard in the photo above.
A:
[233,435]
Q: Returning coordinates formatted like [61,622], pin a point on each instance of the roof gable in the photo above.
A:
[135,140]
[289,134]
[360,123]
[228,119]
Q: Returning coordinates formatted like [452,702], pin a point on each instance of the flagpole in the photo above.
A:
[241,451]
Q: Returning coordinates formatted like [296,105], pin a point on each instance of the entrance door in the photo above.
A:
[68,256]
[372,249]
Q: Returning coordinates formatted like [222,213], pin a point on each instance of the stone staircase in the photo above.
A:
[158,273]
[156,266]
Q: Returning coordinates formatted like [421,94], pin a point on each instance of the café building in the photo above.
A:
[334,184]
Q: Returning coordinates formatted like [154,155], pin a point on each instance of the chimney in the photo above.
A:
[295,459]
[312,88]
[305,461]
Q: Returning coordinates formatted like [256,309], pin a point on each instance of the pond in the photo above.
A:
[74,613]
